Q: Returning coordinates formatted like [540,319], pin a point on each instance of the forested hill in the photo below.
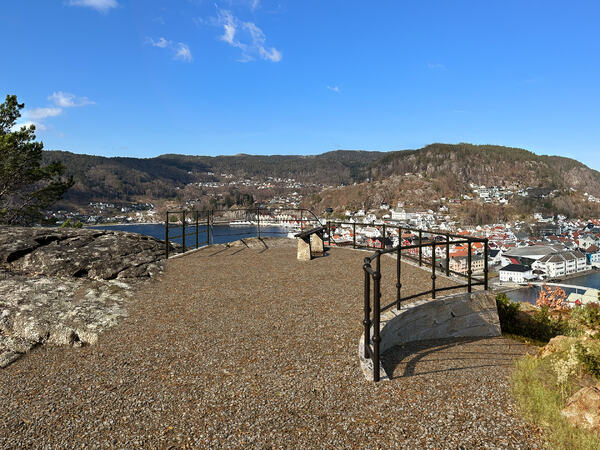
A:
[101,178]
[488,165]
[445,170]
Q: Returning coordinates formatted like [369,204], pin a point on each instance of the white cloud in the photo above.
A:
[180,50]
[41,113]
[102,6]
[67,100]
[247,37]
[229,29]
[183,52]
[333,88]
[27,124]
[61,101]
[161,43]
[254,4]
[436,66]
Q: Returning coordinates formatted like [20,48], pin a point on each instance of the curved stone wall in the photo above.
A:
[459,315]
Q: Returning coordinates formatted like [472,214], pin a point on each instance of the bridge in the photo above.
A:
[567,286]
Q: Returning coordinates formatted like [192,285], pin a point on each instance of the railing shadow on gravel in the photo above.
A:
[193,229]
[417,351]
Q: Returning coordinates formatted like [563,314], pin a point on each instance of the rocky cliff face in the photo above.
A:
[65,286]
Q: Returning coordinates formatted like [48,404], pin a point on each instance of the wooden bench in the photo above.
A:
[310,243]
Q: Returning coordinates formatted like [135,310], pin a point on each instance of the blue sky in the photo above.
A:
[147,77]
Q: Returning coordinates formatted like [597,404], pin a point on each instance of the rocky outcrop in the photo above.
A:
[583,408]
[65,286]
[95,254]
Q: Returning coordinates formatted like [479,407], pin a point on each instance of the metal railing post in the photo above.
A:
[376,318]
[353,234]
[469,270]
[420,248]
[433,271]
[485,264]
[183,232]
[167,236]
[447,254]
[367,310]
[208,227]
[329,233]
[398,276]
[196,214]
[384,236]
[400,236]
[258,220]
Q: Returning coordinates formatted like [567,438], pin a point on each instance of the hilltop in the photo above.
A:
[99,178]
[340,179]
[489,165]
[444,175]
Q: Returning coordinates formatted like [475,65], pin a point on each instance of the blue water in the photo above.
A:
[530,295]
[221,234]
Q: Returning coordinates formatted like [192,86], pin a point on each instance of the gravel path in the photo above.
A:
[248,347]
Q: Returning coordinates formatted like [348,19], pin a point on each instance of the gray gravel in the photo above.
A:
[246,347]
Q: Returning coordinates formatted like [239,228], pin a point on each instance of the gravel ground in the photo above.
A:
[248,347]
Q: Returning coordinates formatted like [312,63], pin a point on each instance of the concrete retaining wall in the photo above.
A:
[460,315]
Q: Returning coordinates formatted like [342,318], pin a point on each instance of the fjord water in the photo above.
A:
[530,294]
[221,233]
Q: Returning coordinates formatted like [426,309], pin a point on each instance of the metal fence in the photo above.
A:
[198,229]
[191,229]
[372,278]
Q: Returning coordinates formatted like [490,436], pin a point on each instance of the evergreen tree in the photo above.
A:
[26,188]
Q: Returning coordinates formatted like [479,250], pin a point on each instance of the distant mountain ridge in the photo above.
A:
[123,179]
[490,165]
[448,168]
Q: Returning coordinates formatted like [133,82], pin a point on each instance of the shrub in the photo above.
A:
[589,359]
[541,326]
[68,224]
[587,315]
[544,327]
[507,313]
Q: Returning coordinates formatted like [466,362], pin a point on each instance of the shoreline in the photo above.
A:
[117,224]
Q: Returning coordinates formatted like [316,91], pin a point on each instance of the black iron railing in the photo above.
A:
[373,309]
[191,229]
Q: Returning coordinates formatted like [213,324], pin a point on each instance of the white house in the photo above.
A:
[588,240]
[403,215]
[516,273]
[562,263]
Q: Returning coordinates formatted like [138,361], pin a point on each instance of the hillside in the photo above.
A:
[489,165]
[360,179]
[421,178]
[133,179]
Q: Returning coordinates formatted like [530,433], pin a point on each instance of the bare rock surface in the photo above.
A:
[96,254]
[65,286]
[583,408]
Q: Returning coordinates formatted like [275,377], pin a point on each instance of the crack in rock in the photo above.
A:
[59,286]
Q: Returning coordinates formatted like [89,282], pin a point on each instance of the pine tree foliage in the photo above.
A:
[26,187]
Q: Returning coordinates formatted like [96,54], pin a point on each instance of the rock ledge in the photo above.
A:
[65,286]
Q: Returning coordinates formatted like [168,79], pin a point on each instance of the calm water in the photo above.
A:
[221,233]
[530,295]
